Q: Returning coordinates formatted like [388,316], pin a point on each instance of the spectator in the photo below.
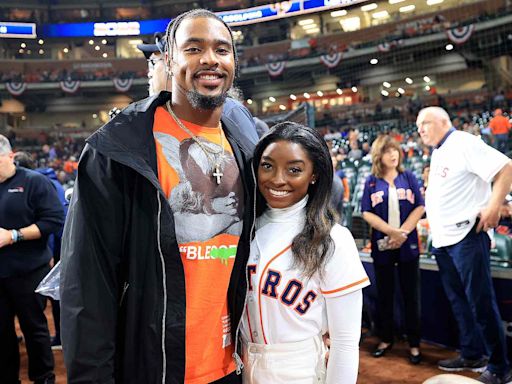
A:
[29,212]
[500,127]
[355,153]
[461,209]
[392,204]
[158,78]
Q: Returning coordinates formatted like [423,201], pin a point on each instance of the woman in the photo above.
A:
[392,204]
[304,273]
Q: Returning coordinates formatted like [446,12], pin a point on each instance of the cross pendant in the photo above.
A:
[217,174]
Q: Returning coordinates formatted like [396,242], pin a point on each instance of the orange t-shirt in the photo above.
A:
[499,125]
[208,224]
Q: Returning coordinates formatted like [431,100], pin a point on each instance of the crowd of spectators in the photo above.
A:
[57,151]
[57,75]
[393,38]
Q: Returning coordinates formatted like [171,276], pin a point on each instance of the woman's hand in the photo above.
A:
[397,237]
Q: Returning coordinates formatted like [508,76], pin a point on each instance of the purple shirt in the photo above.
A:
[375,200]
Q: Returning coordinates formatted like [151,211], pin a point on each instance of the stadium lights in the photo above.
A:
[293,97]
[449,47]
[339,91]
[41,41]
[354,89]
[91,42]
[384,93]
[369,7]
[307,95]
[309,26]
[94,115]
[105,55]
[380,15]
[21,50]
[341,12]
[97,48]
[306,22]
[401,91]
[434,2]
[311,31]
[249,101]
[23,117]
[320,93]
[272,99]
[395,1]
[282,107]
[386,84]
[374,61]
[407,8]
[427,88]
[41,51]
[350,24]
[426,79]
[408,80]
[23,45]
[29,52]
[104,41]
[66,50]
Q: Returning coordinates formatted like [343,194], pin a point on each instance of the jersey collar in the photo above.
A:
[450,131]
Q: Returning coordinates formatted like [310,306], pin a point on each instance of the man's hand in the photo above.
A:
[489,218]
[5,237]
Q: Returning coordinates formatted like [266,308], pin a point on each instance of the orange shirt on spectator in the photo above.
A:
[499,125]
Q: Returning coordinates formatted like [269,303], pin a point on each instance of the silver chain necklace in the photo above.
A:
[214,157]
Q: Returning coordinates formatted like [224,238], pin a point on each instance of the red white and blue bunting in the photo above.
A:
[461,34]
[16,89]
[70,86]
[276,69]
[386,47]
[122,85]
[331,60]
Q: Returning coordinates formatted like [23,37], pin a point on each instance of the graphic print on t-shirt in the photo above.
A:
[193,193]
[208,224]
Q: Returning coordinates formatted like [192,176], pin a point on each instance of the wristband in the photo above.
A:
[20,236]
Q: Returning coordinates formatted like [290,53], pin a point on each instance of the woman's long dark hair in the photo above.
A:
[313,245]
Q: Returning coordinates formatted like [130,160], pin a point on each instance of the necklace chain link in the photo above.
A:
[214,157]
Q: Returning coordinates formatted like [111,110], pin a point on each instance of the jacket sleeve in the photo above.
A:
[48,210]
[91,249]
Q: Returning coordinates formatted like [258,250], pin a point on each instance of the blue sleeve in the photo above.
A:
[366,201]
[341,174]
[413,183]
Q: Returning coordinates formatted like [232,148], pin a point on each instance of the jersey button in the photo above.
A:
[255,334]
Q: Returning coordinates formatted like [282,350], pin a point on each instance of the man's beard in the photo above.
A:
[199,101]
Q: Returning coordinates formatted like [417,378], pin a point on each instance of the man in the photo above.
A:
[23,159]
[158,79]
[461,208]
[29,212]
[157,236]
[500,127]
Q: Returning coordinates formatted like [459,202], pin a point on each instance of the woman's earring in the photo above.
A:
[313,182]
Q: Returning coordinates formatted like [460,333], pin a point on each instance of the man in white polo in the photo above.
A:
[462,208]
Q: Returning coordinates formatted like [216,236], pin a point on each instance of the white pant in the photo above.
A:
[301,362]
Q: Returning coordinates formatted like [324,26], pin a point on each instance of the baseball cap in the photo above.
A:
[158,46]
